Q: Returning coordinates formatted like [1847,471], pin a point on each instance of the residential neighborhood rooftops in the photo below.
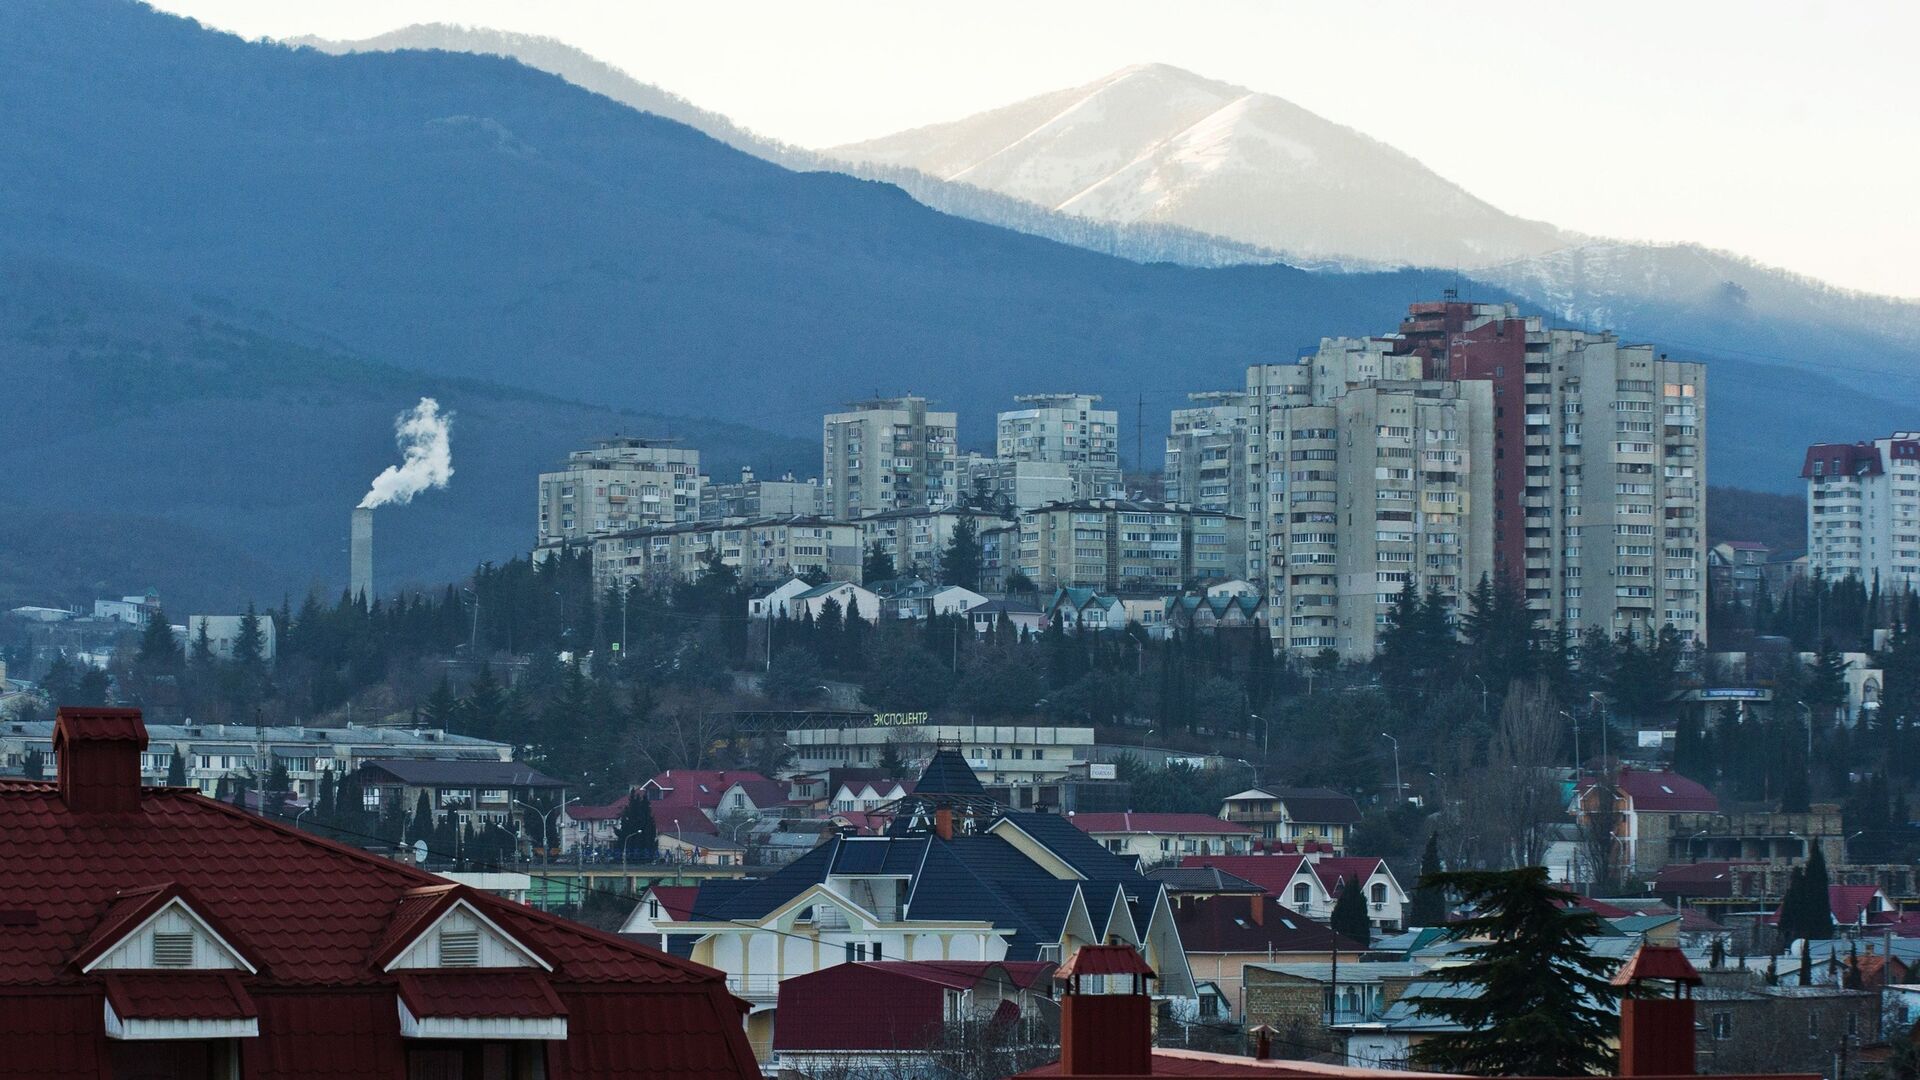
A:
[1130,822]
[1234,924]
[1665,791]
[1202,879]
[1314,805]
[436,773]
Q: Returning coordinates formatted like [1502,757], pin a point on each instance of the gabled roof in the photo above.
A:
[1201,879]
[471,995]
[132,908]
[676,900]
[1271,872]
[1228,924]
[829,589]
[1130,822]
[1850,902]
[1333,872]
[304,910]
[421,908]
[1103,960]
[1665,791]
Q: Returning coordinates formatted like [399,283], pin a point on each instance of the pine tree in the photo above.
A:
[420,825]
[876,565]
[328,806]
[1349,918]
[485,706]
[202,654]
[33,766]
[1819,904]
[159,651]
[636,830]
[960,562]
[250,644]
[176,770]
[441,706]
[1545,1005]
[1429,900]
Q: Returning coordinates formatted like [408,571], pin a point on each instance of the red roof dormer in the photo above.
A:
[98,755]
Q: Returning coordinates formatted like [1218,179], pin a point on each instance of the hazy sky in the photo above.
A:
[1785,131]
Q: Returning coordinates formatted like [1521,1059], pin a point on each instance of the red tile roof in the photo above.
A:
[304,909]
[1849,902]
[1332,872]
[179,995]
[100,725]
[1666,791]
[675,900]
[1604,909]
[1228,924]
[1103,960]
[1271,872]
[480,994]
[1159,823]
[1657,962]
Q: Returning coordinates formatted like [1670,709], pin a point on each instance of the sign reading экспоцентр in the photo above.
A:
[898,719]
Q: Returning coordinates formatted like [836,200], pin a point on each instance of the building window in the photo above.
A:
[1379,892]
[1301,893]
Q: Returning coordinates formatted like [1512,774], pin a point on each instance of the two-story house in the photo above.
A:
[1311,882]
[1164,838]
[956,878]
[1295,815]
[473,792]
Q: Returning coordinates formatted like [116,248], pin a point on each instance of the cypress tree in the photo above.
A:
[1349,917]
[1545,1005]
[1819,905]
[176,770]
[1429,899]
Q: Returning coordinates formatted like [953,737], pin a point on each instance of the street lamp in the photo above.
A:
[1576,742]
[546,851]
[1483,696]
[1399,792]
[1266,734]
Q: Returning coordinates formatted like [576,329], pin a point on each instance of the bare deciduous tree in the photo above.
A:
[1520,777]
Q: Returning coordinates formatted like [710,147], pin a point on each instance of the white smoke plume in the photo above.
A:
[423,435]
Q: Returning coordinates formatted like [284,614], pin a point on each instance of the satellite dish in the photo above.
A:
[419,851]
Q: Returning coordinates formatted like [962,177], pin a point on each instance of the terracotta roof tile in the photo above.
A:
[179,995]
[480,994]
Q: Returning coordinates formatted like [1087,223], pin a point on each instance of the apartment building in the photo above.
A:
[915,539]
[888,454]
[1863,510]
[1208,463]
[621,483]
[752,497]
[766,549]
[1599,464]
[213,752]
[1126,544]
[1370,477]
[1057,438]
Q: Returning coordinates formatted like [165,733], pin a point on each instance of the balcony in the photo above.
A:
[754,987]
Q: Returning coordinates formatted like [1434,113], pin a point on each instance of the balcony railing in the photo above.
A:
[754,987]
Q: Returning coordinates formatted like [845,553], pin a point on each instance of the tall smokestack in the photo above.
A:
[360,556]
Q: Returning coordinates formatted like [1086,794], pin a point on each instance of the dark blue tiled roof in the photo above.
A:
[948,774]
[861,855]
[750,899]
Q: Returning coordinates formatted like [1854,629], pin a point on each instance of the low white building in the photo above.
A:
[997,753]
[223,633]
[1160,838]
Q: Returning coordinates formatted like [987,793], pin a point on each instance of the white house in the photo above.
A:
[1158,838]
[774,604]
[867,794]
[1317,884]
[849,596]
[223,633]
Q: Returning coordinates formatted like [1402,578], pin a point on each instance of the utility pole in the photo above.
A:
[1140,433]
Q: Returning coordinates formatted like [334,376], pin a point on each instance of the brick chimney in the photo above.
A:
[1259,908]
[98,755]
[1656,1033]
[1106,1033]
[943,822]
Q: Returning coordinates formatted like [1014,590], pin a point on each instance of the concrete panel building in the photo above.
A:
[888,454]
[766,550]
[1125,544]
[1208,463]
[1056,437]
[1600,469]
[621,483]
[1863,510]
[752,497]
[1370,477]
[914,539]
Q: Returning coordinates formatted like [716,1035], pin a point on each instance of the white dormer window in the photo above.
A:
[464,937]
[173,938]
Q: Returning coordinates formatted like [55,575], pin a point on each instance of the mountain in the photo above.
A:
[214,453]
[228,265]
[1154,143]
[1139,242]
[1678,294]
[467,216]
